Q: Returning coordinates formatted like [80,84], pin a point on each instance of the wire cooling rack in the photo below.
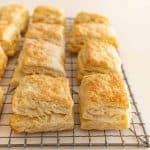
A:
[135,136]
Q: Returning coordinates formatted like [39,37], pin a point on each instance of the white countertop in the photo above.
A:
[131,20]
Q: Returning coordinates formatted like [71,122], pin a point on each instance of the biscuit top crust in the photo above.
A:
[85,17]
[48,14]
[92,29]
[46,31]
[104,89]
[42,53]
[13,12]
[98,53]
[44,88]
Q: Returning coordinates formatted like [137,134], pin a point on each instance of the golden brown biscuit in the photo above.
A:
[49,59]
[38,95]
[85,17]
[42,57]
[97,57]
[3,62]
[82,32]
[9,38]
[16,14]
[1,98]
[104,102]
[50,32]
[45,102]
[45,14]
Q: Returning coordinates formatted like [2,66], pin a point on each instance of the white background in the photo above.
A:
[131,20]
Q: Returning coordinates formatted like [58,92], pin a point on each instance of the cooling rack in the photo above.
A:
[136,135]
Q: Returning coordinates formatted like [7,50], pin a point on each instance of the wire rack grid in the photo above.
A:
[136,135]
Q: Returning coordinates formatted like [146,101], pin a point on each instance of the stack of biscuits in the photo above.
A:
[13,21]
[42,100]
[103,96]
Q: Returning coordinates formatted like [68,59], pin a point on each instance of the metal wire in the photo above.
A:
[135,136]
